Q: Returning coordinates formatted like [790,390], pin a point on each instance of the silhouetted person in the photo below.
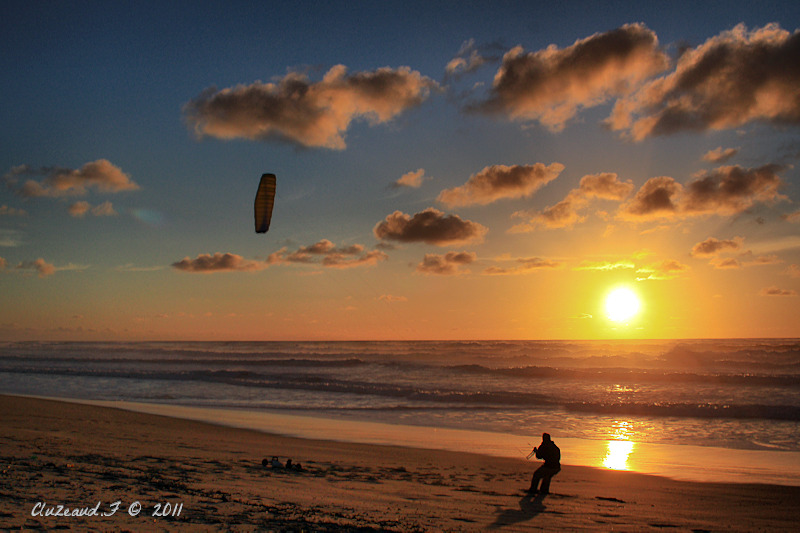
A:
[548,451]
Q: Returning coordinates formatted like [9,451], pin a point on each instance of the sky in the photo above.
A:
[445,170]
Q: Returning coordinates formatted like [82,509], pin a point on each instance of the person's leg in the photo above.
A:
[535,479]
[548,475]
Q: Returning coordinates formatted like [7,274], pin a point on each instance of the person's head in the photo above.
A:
[546,437]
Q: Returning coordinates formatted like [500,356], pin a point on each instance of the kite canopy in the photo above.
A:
[265,199]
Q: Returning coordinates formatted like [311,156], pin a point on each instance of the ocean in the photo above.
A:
[668,406]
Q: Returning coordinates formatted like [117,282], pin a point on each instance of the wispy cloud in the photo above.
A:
[324,253]
[101,176]
[430,226]
[218,262]
[11,211]
[40,266]
[566,213]
[720,155]
[667,269]
[500,181]
[79,209]
[776,291]
[522,266]
[711,247]
[312,114]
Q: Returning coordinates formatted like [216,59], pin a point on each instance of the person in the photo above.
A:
[548,451]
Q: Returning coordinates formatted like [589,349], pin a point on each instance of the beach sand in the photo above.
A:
[80,455]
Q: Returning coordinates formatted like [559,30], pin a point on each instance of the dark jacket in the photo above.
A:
[550,453]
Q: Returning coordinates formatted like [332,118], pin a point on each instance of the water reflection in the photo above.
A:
[617,454]
[619,449]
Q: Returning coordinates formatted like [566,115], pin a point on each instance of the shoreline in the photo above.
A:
[77,455]
[684,462]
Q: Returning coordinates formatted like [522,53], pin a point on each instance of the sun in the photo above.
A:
[622,304]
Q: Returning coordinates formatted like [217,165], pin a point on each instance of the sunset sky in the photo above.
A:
[482,170]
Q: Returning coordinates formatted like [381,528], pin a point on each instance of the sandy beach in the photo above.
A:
[206,477]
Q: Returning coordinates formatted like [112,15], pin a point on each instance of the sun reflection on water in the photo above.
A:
[619,449]
[617,454]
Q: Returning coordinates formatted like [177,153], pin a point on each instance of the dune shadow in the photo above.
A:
[529,507]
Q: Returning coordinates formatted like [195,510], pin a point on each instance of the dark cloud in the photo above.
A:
[79,209]
[501,181]
[724,191]
[430,226]
[552,85]
[522,266]
[40,266]
[730,190]
[712,247]
[655,199]
[327,254]
[100,175]
[219,262]
[11,211]
[313,114]
[775,291]
[733,78]
[566,213]
[448,265]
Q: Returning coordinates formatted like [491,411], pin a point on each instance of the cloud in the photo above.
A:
[430,226]
[411,179]
[793,270]
[732,189]
[469,59]
[389,298]
[736,77]
[10,238]
[775,291]
[655,199]
[11,211]
[753,260]
[312,114]
[552,85]
[727,190]
[327,254]
[605,266]
[100,175]
[501,181]
[79,209]
[42,267]
[219,262]
[711,247]
[565,213]
[664,270]
[725,264]
[448,265]
[792,217]
[522,266]
[718,155]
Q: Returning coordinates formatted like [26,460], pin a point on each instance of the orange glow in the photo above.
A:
[617,454]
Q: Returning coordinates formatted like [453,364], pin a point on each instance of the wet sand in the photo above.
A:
[209,477]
